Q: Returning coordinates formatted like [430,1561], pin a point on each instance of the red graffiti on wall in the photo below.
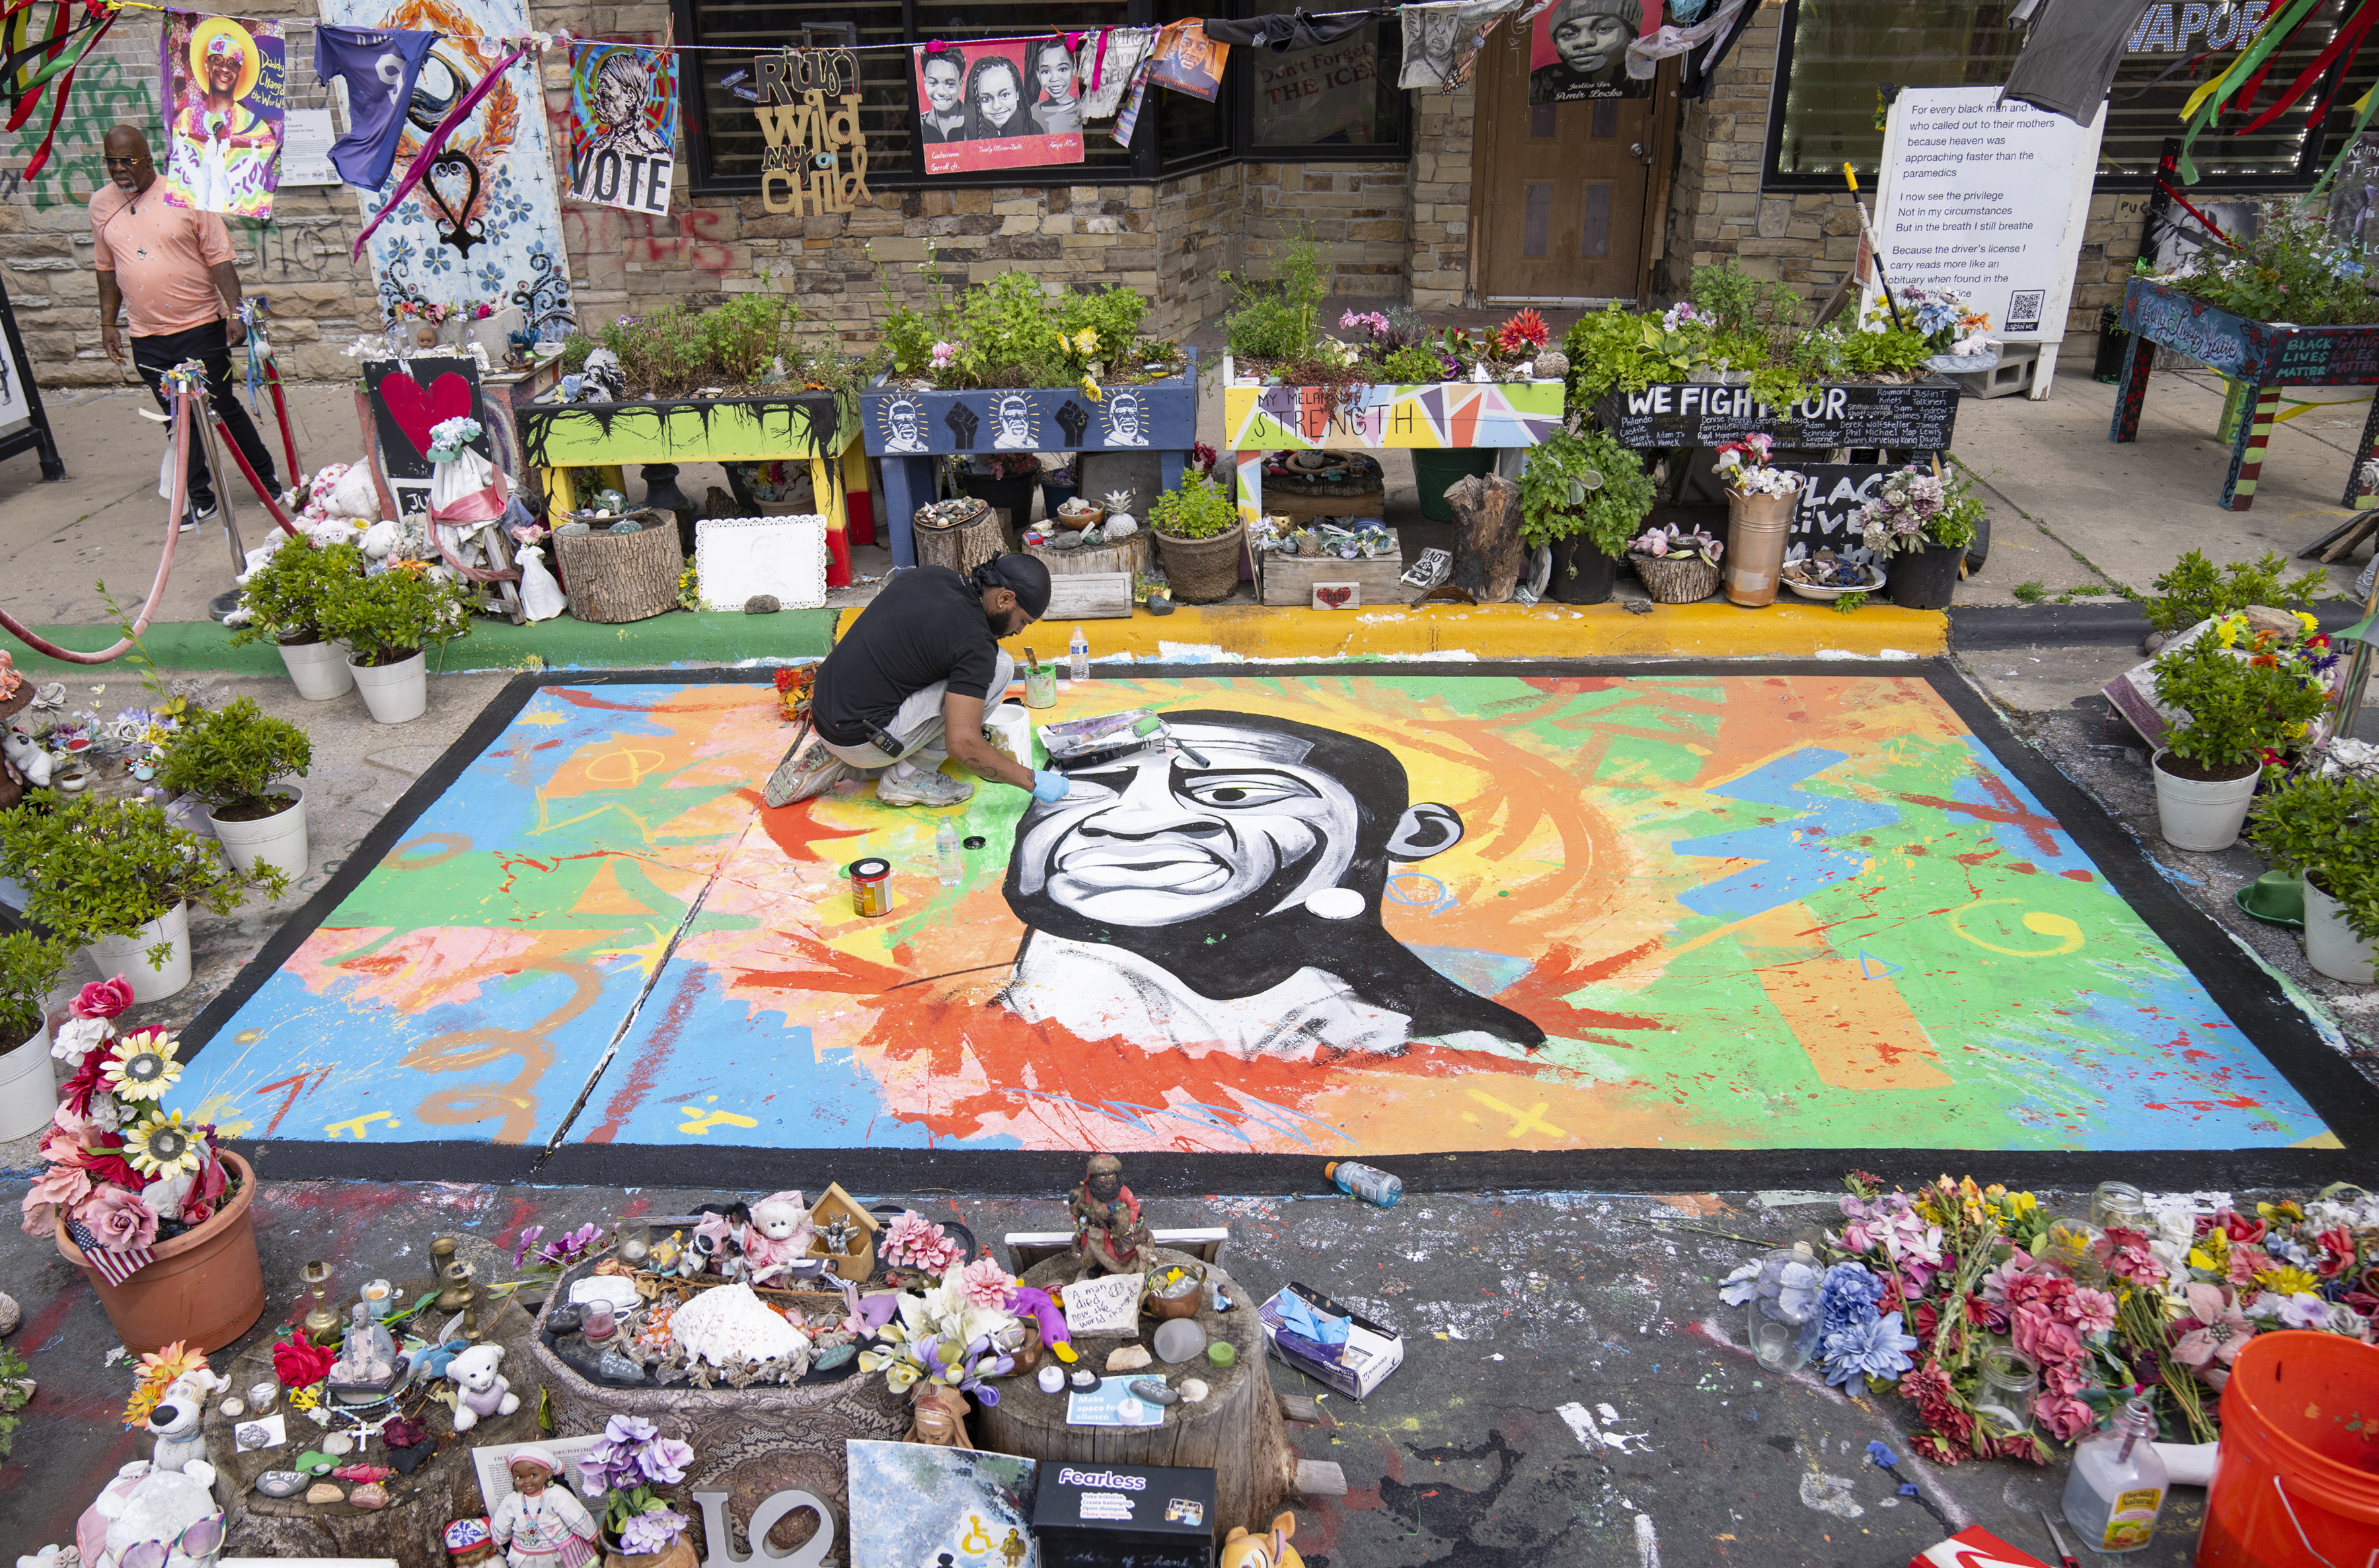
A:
[692,237]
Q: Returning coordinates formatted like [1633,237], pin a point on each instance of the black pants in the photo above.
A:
[153,357]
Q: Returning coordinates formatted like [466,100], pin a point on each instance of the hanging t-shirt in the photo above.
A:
[380,69]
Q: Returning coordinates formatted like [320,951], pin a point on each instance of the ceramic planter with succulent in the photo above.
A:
[2326,830]
[2238,701]
[30,967]
[116,875]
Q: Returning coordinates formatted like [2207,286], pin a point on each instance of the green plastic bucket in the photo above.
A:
[1436,470]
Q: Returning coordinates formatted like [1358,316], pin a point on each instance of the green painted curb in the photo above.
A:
[679,638]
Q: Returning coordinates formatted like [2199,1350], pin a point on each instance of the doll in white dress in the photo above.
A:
[537,1523]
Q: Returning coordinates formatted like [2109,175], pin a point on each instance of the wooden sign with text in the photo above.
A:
[816,162]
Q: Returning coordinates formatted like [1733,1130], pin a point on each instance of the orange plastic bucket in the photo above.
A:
[2297,1485]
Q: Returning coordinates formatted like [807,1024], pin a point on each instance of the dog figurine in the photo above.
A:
[175,1419]
[481,1392]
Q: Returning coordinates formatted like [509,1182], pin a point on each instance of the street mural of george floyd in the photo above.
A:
[1382,913]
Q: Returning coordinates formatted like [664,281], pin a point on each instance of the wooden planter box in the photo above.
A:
[2265,356]
[1434,414]
[909,429]
[1912,417]
[821,428]
[1290,579]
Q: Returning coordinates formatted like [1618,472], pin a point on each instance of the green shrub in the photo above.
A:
[1743,304]
[2291,271]
[2235,709]
[1411,366]
[2195,590]
[98,866]
[29,965]
[1584,484]
[285,596]
[1194,509]
[390,616]
[2327,831]
[229,758]
[1279,318]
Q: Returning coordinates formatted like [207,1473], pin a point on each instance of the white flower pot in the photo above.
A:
[128,956]
[277,841]
[2201,814]
[2331,946]
[319,668]
[396,692]
[29,1086]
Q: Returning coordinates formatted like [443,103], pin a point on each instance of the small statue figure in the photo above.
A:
[482,1391]
[367,1361]
[938,1416]
[469,1542]
[718,1241]
[1109,1237]
[539,1525]
[777,1239]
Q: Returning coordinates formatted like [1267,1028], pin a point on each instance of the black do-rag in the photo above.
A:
[1020,575]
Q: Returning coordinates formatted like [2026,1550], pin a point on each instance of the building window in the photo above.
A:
[1838,56]
[1339,100]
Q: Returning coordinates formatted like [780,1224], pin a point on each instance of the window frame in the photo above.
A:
[1147,165]
[2310,159]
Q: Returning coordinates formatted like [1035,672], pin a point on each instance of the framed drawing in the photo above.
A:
[736,558]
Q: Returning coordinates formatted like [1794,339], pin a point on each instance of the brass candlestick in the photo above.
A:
[442,1267]
[321,1323]
[470,1293]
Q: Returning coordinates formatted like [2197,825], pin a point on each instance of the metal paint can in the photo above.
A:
[871,887]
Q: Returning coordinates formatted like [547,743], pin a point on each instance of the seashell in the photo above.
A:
[730,1324]
[1194,1390]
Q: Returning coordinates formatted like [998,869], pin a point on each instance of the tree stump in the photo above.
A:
[965,546]
[1487,558]
[616,577]
[1236,1431]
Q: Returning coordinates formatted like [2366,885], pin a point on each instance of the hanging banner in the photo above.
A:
[1005,105]
[223,80]
[379,69]
[485,223]
[816,162]
[1187,61]
[622,124]
[1578,50]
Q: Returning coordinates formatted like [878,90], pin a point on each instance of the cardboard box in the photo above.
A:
[1370,1354]
[1091,1515]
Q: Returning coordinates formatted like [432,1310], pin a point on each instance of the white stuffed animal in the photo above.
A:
[354,495]
[172,1509]
[779,1237]
[29,760]
[381,539]
[175,1420]
[480,1390]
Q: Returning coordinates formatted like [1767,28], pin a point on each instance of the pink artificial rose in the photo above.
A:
[102,999]
[62,1186]
[2091,1312]
[118,1220]
[2068,1418]
[215,1177]
[986,1282]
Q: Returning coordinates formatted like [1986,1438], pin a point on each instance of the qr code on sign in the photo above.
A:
[2023,310]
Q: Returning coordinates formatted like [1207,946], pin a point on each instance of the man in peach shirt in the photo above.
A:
[171,268]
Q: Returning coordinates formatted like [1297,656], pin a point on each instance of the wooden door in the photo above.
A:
[1560,190]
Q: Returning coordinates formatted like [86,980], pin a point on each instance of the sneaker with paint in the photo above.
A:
[808,769]
[907,785]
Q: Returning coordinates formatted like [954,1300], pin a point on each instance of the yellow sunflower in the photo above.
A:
[2288,1279]
[141,1067]
[163,1145]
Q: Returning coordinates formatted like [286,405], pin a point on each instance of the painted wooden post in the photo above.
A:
[2247,451]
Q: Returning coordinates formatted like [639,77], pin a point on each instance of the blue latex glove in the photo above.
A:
[1049,787]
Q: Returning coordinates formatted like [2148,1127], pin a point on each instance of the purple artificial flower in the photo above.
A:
[527,1240]
[652,1530]
[663,1461]
[1874,1348]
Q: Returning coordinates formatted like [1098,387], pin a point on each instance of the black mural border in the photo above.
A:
[2251,995]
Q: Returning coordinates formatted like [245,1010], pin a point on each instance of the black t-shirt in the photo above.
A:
[926,626]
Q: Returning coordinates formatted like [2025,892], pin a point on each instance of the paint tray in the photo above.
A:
[1072,741]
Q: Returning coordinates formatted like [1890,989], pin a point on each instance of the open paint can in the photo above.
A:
[871,887]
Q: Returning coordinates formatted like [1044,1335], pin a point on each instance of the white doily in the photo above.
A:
[729,1326]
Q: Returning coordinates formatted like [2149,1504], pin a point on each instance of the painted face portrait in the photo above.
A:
[998,98]
[942,79]
[1015,419]
[1592,45]
[620,91]
[1056,74]
[903,419]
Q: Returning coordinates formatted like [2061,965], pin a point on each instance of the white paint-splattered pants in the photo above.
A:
[918,727]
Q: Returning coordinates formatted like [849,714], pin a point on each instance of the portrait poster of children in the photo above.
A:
[1005,105]
[224,80]
[1578,50]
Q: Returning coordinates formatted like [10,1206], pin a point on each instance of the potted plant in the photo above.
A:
[283,599]
[629,1462]
[1677,565]
[29,965]
[2326,829]
[386,619]
[229,758]
[1584,495]
[116,875]
[1921,525]
[1200,535]
[2237,700]
[139,1197]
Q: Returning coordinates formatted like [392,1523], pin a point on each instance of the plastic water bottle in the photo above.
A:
[2116,1487]
[946,853]
[1079,651]
[1366,1182]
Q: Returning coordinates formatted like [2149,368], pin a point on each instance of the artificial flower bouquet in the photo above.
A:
[625,1465]
[1956,1295]
[1743,467]
[952,1333]
[1915,508]
[1944,317]
[123,1171]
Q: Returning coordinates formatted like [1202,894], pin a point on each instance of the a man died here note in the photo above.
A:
[1109,1304]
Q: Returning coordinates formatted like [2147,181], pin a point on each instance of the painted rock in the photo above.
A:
[627,526]
[613,1365]
[1129,1358]
[281,1483]
[1154,1391]
[1193,1392]
[762,604]
[324,1491]
[371,1494]
[833,1355]
[566,1319]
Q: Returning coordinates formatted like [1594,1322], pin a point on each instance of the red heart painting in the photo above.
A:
[1334,597]
[417,412]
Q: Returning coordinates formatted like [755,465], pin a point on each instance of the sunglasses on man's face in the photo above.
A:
[125,163]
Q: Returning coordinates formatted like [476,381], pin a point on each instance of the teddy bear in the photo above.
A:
[173,1420]
[777,1240]
[481,1391]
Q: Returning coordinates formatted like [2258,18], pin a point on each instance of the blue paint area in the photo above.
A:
[1800,855]
[1486,973]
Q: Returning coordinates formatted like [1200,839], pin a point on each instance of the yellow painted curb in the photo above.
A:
[1503,631]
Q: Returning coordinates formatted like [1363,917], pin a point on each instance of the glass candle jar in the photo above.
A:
[263,1396]
[600,1323]
[2118,1203]
[2005,1397]
[2078,1247]
[635,1243]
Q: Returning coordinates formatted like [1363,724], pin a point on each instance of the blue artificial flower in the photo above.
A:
[1848,1297]
[1872,1350]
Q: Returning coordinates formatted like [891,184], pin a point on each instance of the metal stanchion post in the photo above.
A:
[223,603]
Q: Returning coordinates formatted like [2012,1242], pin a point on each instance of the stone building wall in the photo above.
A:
[1443,127]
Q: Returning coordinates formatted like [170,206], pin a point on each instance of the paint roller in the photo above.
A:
[1146,731]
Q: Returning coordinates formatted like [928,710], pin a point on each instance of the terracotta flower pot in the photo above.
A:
[678,1554]
[205,1286]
